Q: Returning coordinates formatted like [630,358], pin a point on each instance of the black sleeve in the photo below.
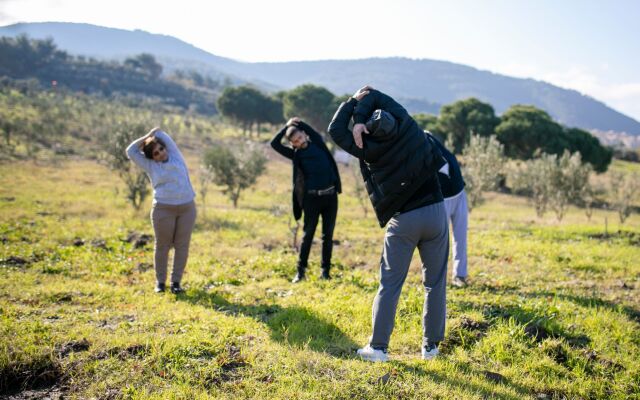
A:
[277,145]
[378,100]
[339,129]
[313,135]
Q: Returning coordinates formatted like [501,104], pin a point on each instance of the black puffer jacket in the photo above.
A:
[451,184]
[394,165]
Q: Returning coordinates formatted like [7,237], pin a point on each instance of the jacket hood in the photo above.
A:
[381,124]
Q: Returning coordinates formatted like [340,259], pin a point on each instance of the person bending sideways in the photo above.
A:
[399,166]
[316,184]
[455,201]
[173,213]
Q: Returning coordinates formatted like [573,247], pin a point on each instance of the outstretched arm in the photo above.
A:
[339,129]
[277,145]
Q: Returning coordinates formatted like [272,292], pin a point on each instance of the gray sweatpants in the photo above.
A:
[425,228]
[172,225]
[458,214]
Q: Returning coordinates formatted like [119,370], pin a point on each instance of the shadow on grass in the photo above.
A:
[296,326]
[592,302]
[485,391]
[537,324]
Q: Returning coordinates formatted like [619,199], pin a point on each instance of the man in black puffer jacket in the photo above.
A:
[399,166]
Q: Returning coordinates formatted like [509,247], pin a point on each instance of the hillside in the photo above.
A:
[427,83]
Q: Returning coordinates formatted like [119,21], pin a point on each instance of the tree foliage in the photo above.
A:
[313,104]
[22,58]
[625,189]
[459,120]
[135,179]
[146,63]
[553,182]
[527,131]
[236,167]
[482,168]
[589,148]
[429,122]
[247,106]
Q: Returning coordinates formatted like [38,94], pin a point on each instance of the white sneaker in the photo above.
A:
[368,353]
[429,351]
[460,282]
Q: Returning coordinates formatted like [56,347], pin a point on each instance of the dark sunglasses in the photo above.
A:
[158,150]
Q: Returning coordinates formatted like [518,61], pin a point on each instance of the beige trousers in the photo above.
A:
[172,225]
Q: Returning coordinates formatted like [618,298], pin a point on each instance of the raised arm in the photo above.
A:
[135,154]
[277,145]
[313,135]
[374,100]
[339,129]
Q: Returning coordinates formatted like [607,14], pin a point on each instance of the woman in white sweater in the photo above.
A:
[173,214]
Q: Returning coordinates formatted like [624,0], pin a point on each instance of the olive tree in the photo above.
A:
[483,163]
[624,190]
[235,166]
[554,182]
[135,179]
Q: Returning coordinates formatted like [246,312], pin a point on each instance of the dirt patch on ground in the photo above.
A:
[28,381]
[138,239]
[231,363]
[75,346]
[13,261]
[133,351]
[464,332]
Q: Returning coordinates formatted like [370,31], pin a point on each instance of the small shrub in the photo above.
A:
[483,164]
[236,167]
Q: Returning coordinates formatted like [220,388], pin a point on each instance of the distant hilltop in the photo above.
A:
[425,84]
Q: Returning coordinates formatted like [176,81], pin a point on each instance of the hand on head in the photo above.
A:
[293,121]
[363,91]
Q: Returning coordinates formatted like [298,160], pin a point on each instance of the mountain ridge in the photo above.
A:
[428,83]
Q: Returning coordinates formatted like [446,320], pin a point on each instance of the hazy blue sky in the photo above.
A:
[591,46]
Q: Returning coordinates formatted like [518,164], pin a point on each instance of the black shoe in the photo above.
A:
[175,288]
[325,274]
[160,287]
[299,277]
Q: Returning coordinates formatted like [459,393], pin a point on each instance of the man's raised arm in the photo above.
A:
[339,129]
[277,145]
[374,100]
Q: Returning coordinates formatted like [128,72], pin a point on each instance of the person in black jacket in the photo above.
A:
[455,201]
[399,166]
[316,184]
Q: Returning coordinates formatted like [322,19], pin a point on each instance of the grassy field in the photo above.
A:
[553,310]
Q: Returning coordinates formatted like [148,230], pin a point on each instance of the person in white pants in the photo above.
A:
[455,202]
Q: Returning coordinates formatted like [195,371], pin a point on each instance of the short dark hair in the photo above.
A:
[150,144]
[292,131]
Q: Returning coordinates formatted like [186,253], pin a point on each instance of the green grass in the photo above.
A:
[553,310]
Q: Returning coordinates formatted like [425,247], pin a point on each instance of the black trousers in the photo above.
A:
[314,207]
